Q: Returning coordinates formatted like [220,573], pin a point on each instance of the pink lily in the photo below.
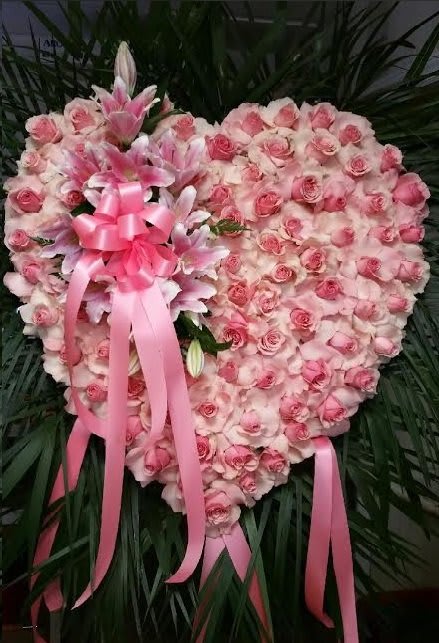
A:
[125,115]
[167,155]
[195,254]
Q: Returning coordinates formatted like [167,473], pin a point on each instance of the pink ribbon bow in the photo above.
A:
[124,238]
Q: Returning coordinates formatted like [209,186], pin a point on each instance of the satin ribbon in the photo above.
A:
[240,554]
[119,243]
[329,526]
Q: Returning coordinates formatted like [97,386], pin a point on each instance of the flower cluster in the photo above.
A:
[311,285]
[313,296]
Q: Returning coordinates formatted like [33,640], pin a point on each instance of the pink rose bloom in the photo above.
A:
[220,195]
[72,199]
[271,342]
[134,428]
[220,147]
[136,387]
[232,263]
[252,123]
[376,203]
[19,240]
[287,115]
[331,411]
[235,331]
[391,158]
[43,129]
[364,379]
[329,289]
[267,379]
[221,505]
[231,213]
[292,227]
[343,343]
[32,270]
[366,309]
[205,448]
[411,190]
[397,304]
[82,114]
[239,458]
[383,234]
[297,432]
[358,165]
[267,299]
[184,127]
[369,267]
[317,374]
[32,162]
[292,408]
[277,148]
[384,346]
[96,391]
[239,293]
[303,320]
[334,195]
[229,371]
[282,273]
[156,459]
[26,200]
[313,260]
[343,237]
[350,134]
[273,461]
[411,233]
[251,173]
[44,316]
[270,242]
[323,146]
[307,189]
[322,116]
[410,271]
[268,203]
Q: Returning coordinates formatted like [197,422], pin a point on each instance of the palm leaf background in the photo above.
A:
[200,56]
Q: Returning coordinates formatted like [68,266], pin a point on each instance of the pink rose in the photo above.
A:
[331,411]
[329,289]
[218,507]
[72,199]
[136,387]
[43,129]
[269,242]
[134,428]
[79,114]
[397,304]
[252,124]
[270,343]
[26,200]
[291,408]
[282,273]
[369,267]
[306,189]
[232,263]
[76,357]
[268,203]
[231,213]
[277,147]
[44,316]
[323,146]
[313,259]
[156,459]
[220,147]
[358,165]
[239,293]
[411,233]
[220,194]
[410,190]
[343,237]
[96,391]
[204,449]
[316,373]
[287,116]
[334,196]
[410,271]
[207,409]
[250,422]
[385,346]
[31,271]
[364,379]
[273,461]
[266,380]
[350,134]
[32,162]
[229,371]
[184,127]
[240,458]
[302,320]
[235,332]
[292,227]
[103,349]
[251,173]
[365,309]
[391,158]
[267,300]
[322,116]
[296,432]
[376,203]
[383,234]
[343,343]
[19,240]
[247,482]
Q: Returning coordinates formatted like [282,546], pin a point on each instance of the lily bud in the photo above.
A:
[125,67]
[195,358]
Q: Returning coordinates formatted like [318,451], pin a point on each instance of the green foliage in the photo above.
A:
[186,329]
[198,54]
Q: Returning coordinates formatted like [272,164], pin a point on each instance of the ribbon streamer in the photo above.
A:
[329,526]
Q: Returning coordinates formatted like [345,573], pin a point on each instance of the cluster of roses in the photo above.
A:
[313,296]
[312,283]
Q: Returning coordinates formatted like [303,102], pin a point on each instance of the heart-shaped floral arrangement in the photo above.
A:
[292,264]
